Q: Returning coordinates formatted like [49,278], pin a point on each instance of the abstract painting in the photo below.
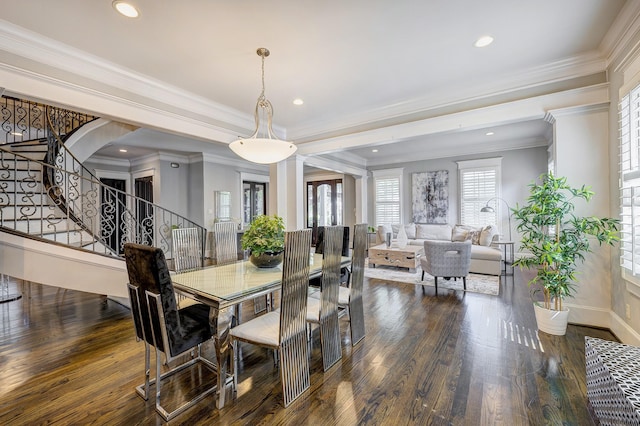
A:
[431,197]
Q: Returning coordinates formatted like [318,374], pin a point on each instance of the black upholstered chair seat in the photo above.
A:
[195,329]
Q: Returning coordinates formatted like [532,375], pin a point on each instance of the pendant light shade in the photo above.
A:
[265,149]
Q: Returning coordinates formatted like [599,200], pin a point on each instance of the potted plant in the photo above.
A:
[265,238]
[556,240]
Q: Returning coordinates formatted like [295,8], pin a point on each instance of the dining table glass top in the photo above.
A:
[234,281]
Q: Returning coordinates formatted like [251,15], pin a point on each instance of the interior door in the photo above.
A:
[324,204]
[112,209]
[144,211]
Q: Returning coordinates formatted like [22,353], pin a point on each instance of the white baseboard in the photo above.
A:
[622,330]
[590,316]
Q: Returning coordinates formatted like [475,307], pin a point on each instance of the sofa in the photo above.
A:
[485,259]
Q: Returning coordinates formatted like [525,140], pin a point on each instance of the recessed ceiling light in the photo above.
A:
[489,133]
[298,101]
[374,150]
[122,150]
[483,41]
[126,9]
[16,133]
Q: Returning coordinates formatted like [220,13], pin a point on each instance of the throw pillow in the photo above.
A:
[460,232]
[487,234]
[474,237]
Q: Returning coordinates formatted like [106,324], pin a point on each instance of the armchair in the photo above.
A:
[446,259]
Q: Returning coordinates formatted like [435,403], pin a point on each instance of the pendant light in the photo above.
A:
[265,149]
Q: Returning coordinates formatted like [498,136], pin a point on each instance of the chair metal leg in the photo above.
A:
[329,341]
[294,368]
[356,320]
[436,283]
[464,283]
[422,279]
[234,365]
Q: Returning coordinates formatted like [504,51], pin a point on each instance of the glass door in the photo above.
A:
[324,204]
[254,200]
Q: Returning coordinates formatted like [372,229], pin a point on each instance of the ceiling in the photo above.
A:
[357,64]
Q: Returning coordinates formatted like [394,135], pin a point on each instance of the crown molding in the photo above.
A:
[238,163]
[455,151]
[534,108]
[335,165]
[536,77]
[109,161]
[45,51]
[621,34]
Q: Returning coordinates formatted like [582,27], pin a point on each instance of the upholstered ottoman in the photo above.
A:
[613,381]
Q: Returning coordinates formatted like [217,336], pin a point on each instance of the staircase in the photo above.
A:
[59,225]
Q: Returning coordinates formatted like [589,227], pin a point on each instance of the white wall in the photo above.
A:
[519,168]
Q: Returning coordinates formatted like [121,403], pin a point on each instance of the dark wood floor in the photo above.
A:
[68,357]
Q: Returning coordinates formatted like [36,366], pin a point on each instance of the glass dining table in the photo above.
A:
[223,288]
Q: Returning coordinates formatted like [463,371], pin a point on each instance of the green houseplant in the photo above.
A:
[556,240]
[265,238]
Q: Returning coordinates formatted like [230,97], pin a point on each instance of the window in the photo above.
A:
[629,125]
[387,188]
[479,186]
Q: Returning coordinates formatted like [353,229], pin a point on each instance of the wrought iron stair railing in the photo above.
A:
[60,200]
[95,217]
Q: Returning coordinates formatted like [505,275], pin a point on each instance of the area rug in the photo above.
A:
[477,283]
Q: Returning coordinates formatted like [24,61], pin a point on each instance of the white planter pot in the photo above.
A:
[550,321]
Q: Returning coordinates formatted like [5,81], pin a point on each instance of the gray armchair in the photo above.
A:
[446,259]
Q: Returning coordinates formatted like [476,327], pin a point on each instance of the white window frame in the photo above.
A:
[387,174]
[629,183]
[479,200]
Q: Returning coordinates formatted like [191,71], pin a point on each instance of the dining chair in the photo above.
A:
[448,259]
[158,322]
[324,311]
[285,330]
[187,249]
[350,298]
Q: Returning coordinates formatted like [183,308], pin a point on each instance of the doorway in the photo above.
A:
[254,200]
[112,210]
[324,204]
[144,210]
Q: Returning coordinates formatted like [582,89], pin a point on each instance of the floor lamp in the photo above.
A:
[488,209]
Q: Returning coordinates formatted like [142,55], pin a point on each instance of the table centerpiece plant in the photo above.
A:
[555,240]
[265,238]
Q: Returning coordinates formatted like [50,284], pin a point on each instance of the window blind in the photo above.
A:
[477,187]
[387,200]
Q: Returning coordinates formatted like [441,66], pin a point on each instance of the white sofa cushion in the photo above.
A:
[409,228]
[430,231]
[486,253]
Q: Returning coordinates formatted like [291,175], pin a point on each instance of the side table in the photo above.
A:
[508,248]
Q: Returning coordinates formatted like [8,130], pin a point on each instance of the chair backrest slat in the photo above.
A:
[333,241]
[187,249]
[226,242]
[295,281]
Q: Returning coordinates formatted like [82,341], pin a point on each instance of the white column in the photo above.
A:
[286,193]
[361,199]
[581,154]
